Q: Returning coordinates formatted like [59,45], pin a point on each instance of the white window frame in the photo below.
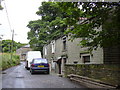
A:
[64,43]
[45,50]
[53,46]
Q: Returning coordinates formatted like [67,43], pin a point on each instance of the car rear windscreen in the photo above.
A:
[40,61]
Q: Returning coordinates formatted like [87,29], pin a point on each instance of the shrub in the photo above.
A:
[6,61]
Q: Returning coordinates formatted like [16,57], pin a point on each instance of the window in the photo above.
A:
[45,50]
[64,43]
[40,61]
[53,46]
[86,59]
[65,60]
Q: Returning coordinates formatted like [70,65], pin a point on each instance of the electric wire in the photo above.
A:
[7,17]
[12,31]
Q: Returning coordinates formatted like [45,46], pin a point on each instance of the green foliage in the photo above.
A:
[7,62]
[1,6]
[51,25]
[7,44]
[49,11]
[38,34]
[99,14]
[61,18]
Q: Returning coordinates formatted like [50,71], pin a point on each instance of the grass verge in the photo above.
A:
[6,61]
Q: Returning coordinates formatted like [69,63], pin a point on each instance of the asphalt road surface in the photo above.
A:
[19,77]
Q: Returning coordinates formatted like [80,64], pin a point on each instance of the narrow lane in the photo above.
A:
[19,77]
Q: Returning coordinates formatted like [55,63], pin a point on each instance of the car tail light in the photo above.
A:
[32,65]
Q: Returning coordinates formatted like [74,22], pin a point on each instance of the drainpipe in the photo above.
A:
[62,67]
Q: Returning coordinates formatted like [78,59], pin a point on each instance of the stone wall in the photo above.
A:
[112,55]
[109,73]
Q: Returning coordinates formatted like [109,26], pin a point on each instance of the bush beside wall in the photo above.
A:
[109,73]
[6,61]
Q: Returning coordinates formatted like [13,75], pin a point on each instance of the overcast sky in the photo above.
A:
[20,12]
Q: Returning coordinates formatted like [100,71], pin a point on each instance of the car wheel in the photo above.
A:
[27,68]
[26,65]
[48,72]
[31,71]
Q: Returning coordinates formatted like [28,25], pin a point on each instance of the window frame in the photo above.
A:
[45,50]
[53,46]
[82,55]
[64,41]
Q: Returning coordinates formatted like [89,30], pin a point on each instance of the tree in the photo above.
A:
[37,34]
[0,6]
[98,14]
[0,9]
[59,17]
[49,27]
[53,16]
[6,45]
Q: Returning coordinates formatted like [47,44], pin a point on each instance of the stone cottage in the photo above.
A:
[22,51]
[62,51]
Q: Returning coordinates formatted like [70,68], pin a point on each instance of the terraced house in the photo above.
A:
[66,57]
[102,64]
[62,51]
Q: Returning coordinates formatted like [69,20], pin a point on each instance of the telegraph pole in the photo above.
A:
[1,43]
[11,49]
[12,45]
